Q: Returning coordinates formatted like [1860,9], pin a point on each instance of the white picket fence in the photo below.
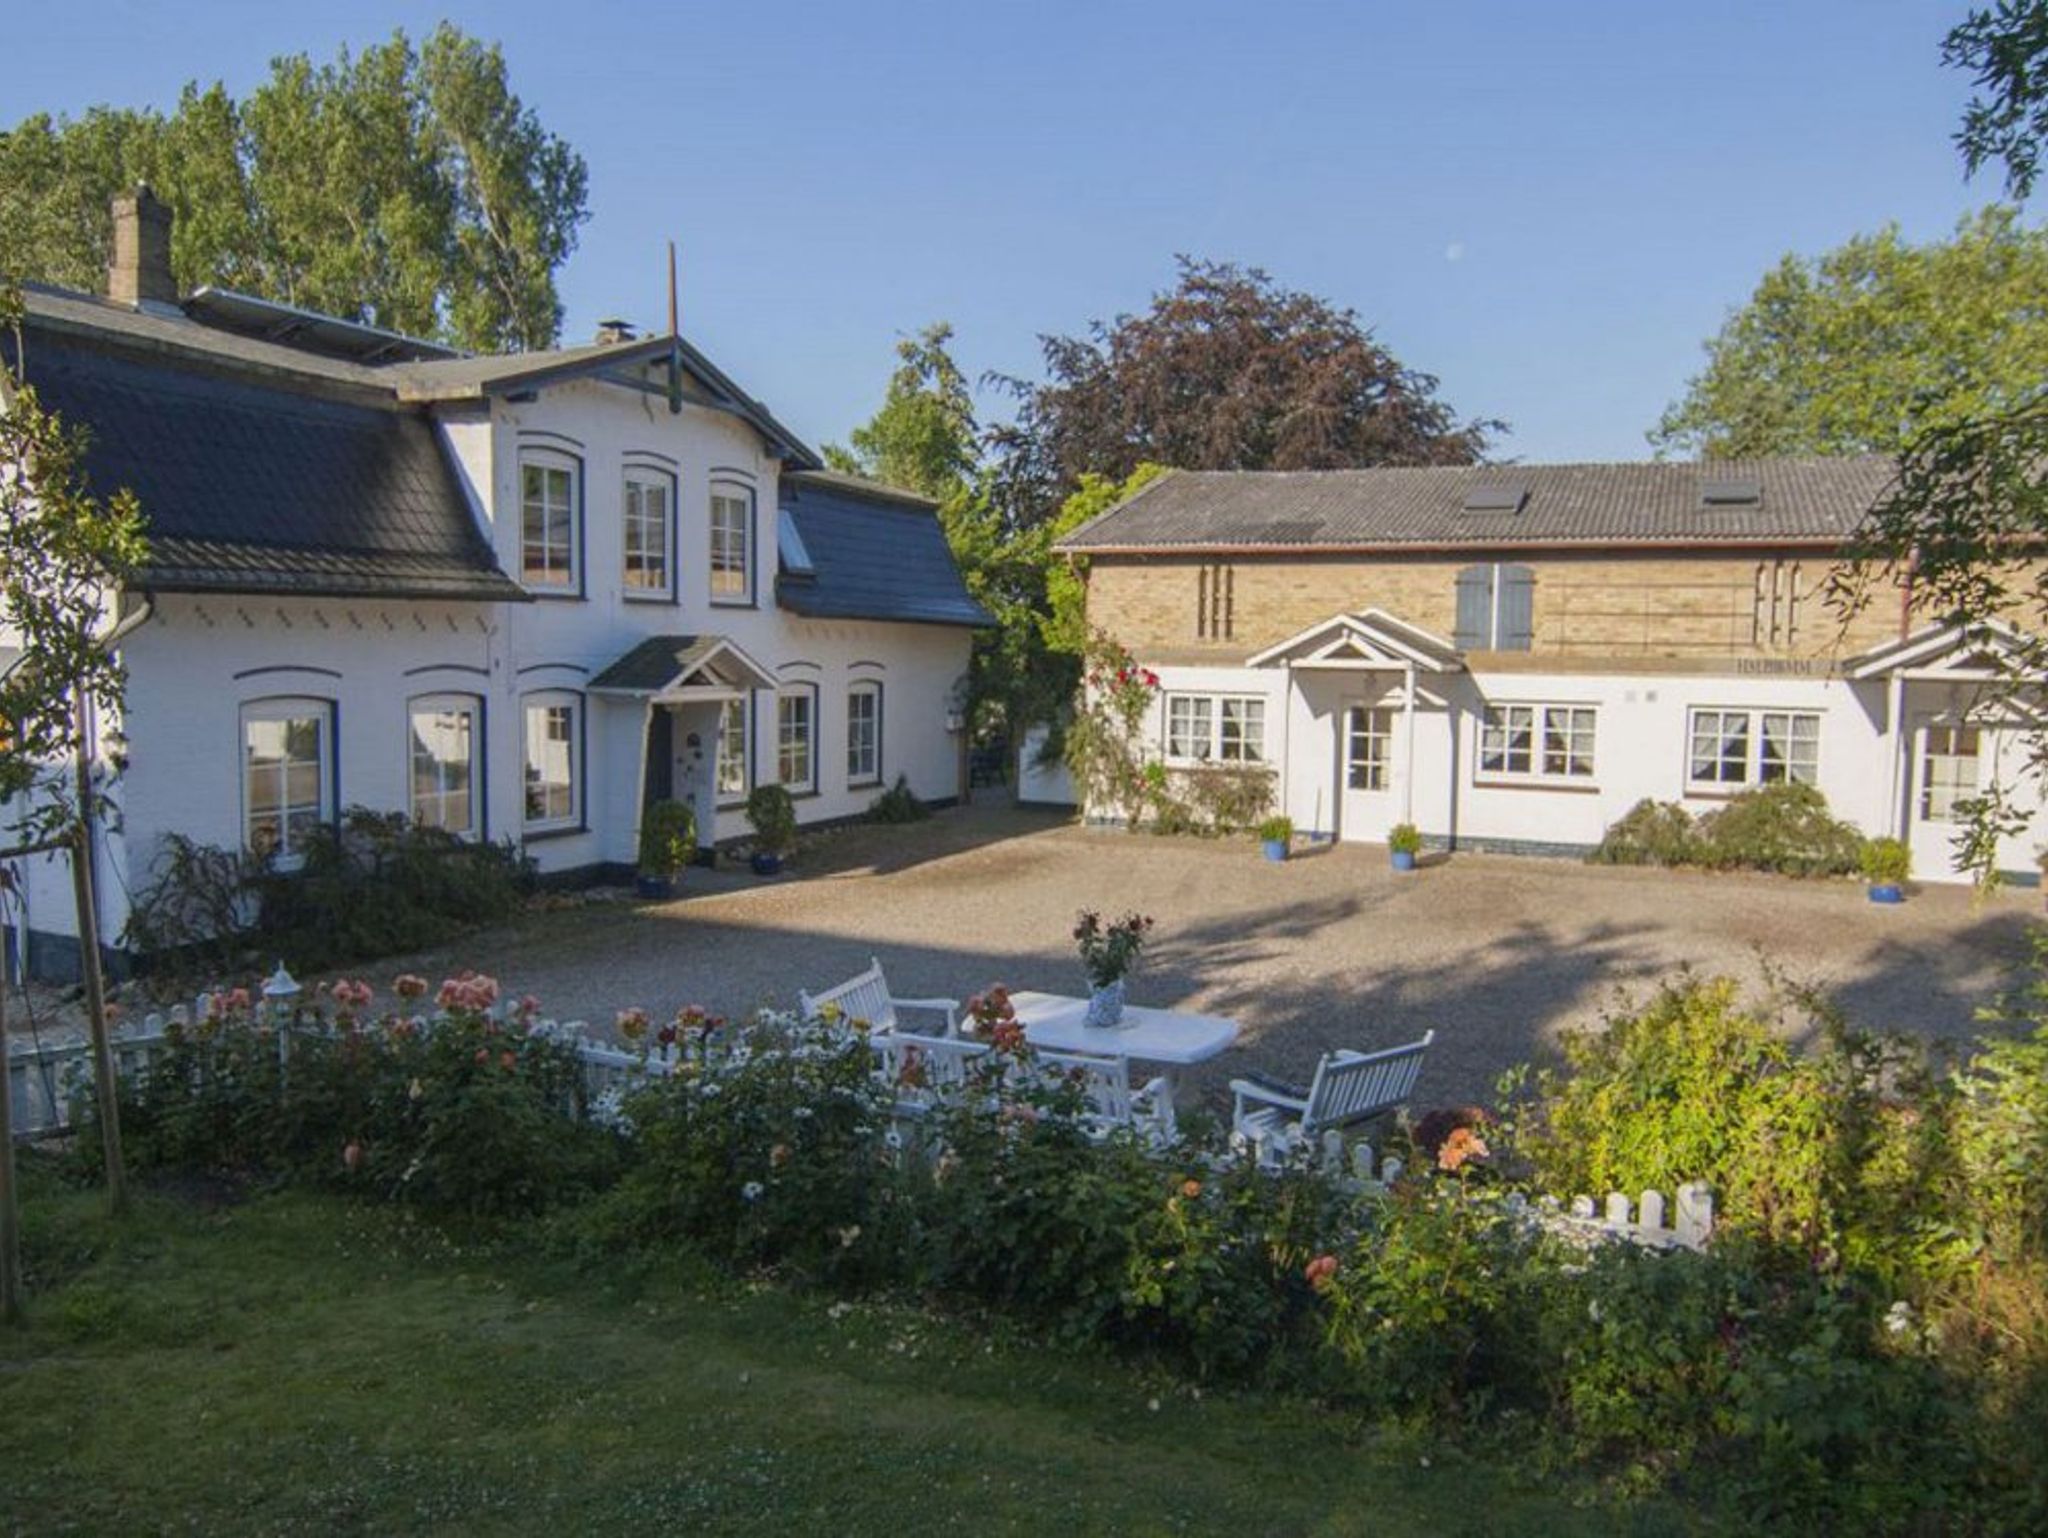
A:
[43,1078]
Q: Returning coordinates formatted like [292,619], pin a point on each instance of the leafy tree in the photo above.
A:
[65,557]
[1872,344]
[2006,48]
[925,437]
[409,189]
[1227,371]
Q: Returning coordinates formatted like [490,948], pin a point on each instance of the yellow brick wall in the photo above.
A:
[1619,610]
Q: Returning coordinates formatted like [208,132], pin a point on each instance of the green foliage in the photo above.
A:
[1784,827]
[1276,830]
[1650,833]
[1216,800]
[668,838]
[924,437]
[411,189]
[2005,49]
[1104,753]
[1404,838]
[1886,861]
[1868,347]
[898,804]
[772,815]
[463,1115]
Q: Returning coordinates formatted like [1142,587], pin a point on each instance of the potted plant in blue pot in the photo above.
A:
[1276,833]
[1404,843]
[668,842]
[1886,864]
[773,817]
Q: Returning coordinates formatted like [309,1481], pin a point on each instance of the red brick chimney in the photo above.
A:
[140,272]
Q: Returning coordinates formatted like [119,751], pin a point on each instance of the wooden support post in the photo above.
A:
[106,1086]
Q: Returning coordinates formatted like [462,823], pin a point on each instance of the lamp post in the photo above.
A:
[280,989]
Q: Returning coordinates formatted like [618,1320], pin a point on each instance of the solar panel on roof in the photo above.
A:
[1495,499]
[1735,491]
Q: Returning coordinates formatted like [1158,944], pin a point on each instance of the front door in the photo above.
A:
[1367,805]
[1947,759]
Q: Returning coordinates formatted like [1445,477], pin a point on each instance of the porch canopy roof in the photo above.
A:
[1978,651]
[683,670]
[1372,640]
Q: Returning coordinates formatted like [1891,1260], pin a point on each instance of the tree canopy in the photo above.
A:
[1226,371]
[2005,48]
[406,188]
[1866,347]
[924,437]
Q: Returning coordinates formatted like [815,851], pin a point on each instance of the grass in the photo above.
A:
[295,1364]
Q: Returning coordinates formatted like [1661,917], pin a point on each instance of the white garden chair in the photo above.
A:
[867,999]
[1349,1088]
[925,1072]
[1105,1083]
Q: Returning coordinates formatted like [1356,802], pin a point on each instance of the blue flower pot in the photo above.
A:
[1404,859]
[1276,848]
[766,864]
[656,888]
[1886,892]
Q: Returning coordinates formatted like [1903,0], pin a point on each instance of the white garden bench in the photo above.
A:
[1105,1084]
[926,1072]
[867,999]
[1349,1088]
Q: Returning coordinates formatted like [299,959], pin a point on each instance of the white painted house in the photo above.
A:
[1512,657]
[519,597]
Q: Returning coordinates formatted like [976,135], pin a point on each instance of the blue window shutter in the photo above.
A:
[1475,609]
[1517,609]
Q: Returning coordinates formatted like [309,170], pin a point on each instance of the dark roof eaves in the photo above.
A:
[1074,534]
[1439,547]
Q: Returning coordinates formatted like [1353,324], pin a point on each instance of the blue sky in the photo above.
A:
[1549,206]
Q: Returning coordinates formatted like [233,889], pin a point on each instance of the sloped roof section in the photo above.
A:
[1809,500]
[664,662]
[875,554]
[249,485]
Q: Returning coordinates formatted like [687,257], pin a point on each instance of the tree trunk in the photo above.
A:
[107,1088]
[10,1214]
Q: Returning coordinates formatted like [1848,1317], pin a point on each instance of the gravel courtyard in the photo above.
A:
[1330,949]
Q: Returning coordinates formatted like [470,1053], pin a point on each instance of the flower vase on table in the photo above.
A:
[1105,1005]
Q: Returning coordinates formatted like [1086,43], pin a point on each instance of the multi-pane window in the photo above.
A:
[553,760]
[1368,747]
[287,762]
[795,722]
[442,737]
[1552,742]
[732,537]
[1948,771]
[547,529]
[649,522]
[864,734]
[1215,602]
[1228,728]
[1752,747]
[732,750]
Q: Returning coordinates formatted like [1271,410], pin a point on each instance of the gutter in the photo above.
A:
[1461,547]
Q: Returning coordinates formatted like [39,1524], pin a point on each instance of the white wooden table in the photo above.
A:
[1054,1021]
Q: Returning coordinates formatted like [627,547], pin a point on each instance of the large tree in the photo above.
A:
[1226,371]
[1867,347]
[409,188]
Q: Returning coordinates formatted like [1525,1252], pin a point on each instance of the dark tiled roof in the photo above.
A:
[1654,503]
[876,554]
[254,486]
[656,663]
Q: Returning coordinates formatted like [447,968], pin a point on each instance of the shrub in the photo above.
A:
[1650,833]
[668,838]
[772,815]
[1224,801]
[1785,827]
[1886,861]
[1404,838]
[374,884]
[898,804]
[1276,830]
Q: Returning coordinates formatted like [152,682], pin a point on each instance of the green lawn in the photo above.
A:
[292,1364]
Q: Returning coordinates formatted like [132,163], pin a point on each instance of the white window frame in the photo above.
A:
[638,482]
[531,705]
[1369,752]
[547,463]
[726,588]
[1552,733]
[285,709]
[1939,796]
[738,712]
[788,739]
[863,750]
[470,707]
[1755,767]
[1198,728]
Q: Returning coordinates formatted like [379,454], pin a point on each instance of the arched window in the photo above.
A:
[553,730]
[444,733]
[864,734]
[550,520]
[288,787]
